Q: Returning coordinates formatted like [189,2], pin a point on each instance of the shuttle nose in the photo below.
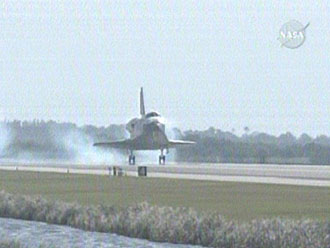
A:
[155,125]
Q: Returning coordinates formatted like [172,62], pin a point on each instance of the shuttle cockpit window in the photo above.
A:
[152,114]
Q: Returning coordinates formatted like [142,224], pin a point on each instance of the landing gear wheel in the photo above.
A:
[131,160]
[162,159]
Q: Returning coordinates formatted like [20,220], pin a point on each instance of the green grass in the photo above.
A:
[240,201]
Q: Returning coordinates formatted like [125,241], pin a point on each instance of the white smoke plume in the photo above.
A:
[5,136]
[30,143]
[80,145]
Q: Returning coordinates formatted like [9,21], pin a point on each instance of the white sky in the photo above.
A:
[202,63]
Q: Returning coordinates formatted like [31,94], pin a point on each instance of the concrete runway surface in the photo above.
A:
[308,175]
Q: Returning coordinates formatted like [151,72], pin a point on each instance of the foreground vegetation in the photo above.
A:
[10,244]
[238,201]
[16,244]
[167,224]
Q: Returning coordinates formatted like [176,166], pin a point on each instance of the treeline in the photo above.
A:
[213,145]
[53,140]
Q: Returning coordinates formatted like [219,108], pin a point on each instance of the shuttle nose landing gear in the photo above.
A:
[131,158]
[161,158]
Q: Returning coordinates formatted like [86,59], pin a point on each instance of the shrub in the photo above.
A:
[167,224]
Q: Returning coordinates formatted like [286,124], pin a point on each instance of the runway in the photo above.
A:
[307,175]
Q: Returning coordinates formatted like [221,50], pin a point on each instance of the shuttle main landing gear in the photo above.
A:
[161,157]
[131,158]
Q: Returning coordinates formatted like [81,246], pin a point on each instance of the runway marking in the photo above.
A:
[193,175]
[245,179]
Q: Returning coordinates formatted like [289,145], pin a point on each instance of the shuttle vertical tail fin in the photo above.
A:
[142,109]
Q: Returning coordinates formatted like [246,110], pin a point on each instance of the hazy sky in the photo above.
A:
[202,63]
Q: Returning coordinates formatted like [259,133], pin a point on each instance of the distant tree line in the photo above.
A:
[53,140]
[214,145]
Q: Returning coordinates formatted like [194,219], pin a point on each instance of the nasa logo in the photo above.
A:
[292,34]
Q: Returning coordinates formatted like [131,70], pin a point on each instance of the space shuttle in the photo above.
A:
[147,132]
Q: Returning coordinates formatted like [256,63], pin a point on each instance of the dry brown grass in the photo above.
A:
[167,224]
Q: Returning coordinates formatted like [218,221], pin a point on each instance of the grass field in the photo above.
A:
[240,201]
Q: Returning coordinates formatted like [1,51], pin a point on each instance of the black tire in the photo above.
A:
[161,159]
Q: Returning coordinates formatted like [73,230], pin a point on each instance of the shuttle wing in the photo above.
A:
[124,144]
[173,143]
